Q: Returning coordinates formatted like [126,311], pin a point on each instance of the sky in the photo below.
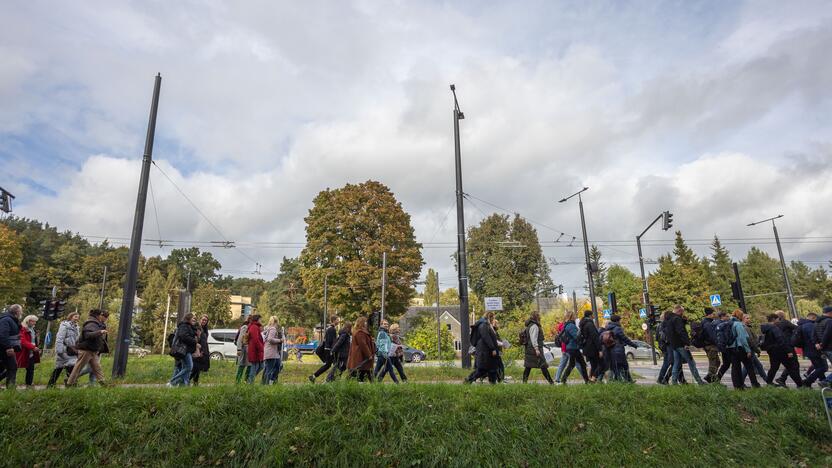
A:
[716,111]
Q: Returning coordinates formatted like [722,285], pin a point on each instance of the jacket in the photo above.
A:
[788,330]
[677,334]
[397,342]
[362,350]
[9,332]
[620,338]
[530,359]
[570,330]
[91,340]
[821,324]
[592,339]
[806,329]
[28,343]
[272,344]
[709,331]
[752,340]
[203,362]
[341,348]
[67,337]
[826,339]
[383,342]
[329,338]
[741,340]
[774,340]
[562,344]
[187,335]
[255,343]
[486,345]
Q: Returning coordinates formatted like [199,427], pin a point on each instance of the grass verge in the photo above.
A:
[348,424]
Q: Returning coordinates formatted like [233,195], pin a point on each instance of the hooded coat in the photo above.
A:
[28,343]
[67,337]
[362,350]
[620,338]
[592,339]
[255,343]
[486,345]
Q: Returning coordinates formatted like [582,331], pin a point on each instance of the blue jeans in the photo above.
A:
[272,369]
[387,367]
[667,363]
[681,355]
[564,361]
[256,367]
[820,368]
[758,368]
[183,375]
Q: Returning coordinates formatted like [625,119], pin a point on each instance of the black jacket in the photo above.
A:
[821,324]
[788,329]
[677,334]
[9,332]
[774,340]
[187,335]
[91,340]
[709,331]
[592,338]
[341,347]
[203,363]
[486,343]
[329,338]
[621,339]
[826,338]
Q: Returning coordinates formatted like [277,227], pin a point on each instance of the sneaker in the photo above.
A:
[169,385]
[312,378]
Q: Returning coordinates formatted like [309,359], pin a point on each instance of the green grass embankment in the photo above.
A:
[415,425]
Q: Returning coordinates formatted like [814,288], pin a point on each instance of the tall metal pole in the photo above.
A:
[789,293]
[127,302]
[165,333]
[326,302]
[645,296]
[462,261]
[438,323]
[383,282]
[575,302]
[103,288]
[588,264]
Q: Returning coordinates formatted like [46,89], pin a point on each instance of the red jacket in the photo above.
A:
[255,343]
[26,347]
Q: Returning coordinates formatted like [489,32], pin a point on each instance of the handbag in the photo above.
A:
[177,348]
[71,351]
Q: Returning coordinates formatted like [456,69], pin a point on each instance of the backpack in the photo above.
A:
[797,338]
[580,339]
[608,338]
[559,337]
[697,335]
[762,343]
[725,335]
[661,337]
[523,337]
[475,334]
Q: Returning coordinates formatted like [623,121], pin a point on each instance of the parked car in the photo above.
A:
[138,351]
[642,351]
[221,343]
[413,354]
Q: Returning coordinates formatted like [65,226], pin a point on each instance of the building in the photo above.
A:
[448,319]
[240,306]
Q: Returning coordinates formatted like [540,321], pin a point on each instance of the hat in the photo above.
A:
[615,318]
[709,310]
[827,309]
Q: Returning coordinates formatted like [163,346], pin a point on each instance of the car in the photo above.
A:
[641,351]
[138,351]
[222,344]
[413,354]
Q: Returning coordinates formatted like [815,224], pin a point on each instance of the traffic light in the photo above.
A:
[46,306]
[560,289]
[736,288]
[613,303]
[5,201]
[667,220]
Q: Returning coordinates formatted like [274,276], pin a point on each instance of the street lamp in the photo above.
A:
[667,223]
[589,268]
[460,234]
[789,293]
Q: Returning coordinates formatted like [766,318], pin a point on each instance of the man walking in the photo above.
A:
[823,339]
[709,340]
[92,344]
[324,351]
[788,329]
[805,338]
[677,336]
[779,352]
[10,344]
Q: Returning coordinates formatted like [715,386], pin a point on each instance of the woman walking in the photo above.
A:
[324,350]
[185,338]
[571,335]
[272,349]
[362,350]
[242,350]
[255,348]
[29,353]
[398,351]
[384,345]
[66,355]
[340,351]
[202,358]
[533,358]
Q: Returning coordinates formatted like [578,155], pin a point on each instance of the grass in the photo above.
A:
[347,424]
[155,369]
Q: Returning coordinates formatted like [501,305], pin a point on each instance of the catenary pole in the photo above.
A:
[462,262]
[127,302]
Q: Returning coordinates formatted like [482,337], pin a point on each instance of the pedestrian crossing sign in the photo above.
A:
[607,314]
[716,300]
[642,313]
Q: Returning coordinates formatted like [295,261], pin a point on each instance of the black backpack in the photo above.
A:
[763,343]
[797,338]
[697,335]
[523,337]
[725,335]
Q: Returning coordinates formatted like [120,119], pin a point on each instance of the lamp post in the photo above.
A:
[667,223]
[462,262]
[589,268]
[789,293]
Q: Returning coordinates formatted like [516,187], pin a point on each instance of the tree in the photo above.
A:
[287,297]
[814,284]
[761,274]
[626,286]
[721,274]
[14,282]
[505,259]
[450,296]
[423,338]
[599,277]
[347,232]
[431,294]
[681,280]
[213,302]
[202,266]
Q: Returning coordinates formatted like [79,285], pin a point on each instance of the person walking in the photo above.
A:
[533,357]
[721,326]
[383,346]
[788,329]
[340,352]
[741,353]
[66,353]
[324,350]
[272,351]
[362,350]
[185,339]
[666,369]
[823,340]
[29,353]
[10,344]
[398,351]
[91,345]
[779,352]
[709,344]
[243,367]
[255,348]
[614,343]
[592,348]
[487,349]
[564,357]
[572,336]
[677,337]
[501,345]
[756,365]
[202,358]
[804,338]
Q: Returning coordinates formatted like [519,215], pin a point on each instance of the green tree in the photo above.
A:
[288,300]
[721,274]
[680,279]
[153,302]
[431,294]
[505,259]
[761,274]
[599,277]
[347,232]
[626,286]
[14,282]
[813,284]
[202,266]
[213,302]
[423,338]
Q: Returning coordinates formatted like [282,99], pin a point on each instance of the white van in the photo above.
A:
[221,344]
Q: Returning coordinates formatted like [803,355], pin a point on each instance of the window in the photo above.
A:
[456,345]
[223,337]
[449,327]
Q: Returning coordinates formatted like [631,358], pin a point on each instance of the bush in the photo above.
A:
[424,338]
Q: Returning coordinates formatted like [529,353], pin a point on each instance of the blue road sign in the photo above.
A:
[642,313]
[716,300]
[607,314]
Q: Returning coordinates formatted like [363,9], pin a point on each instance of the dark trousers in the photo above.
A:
[792,367]
[740,358]
[336,371]
[575,356]
[325,367]
[596,369]
[362,375]
[818,371]
[726,363]
[617,363]
[386,367]
[667,365]
[397,364]
[793,362]
[30,374]
[480,373]
[8,369]
[56,373]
